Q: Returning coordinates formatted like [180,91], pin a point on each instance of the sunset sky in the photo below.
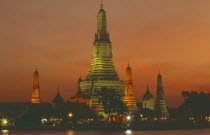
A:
[170,36]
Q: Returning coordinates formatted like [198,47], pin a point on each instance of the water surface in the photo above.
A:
[128,132]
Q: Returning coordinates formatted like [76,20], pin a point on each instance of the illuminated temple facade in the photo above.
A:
[129,99]
[148,100]
[35,98]
[102,71]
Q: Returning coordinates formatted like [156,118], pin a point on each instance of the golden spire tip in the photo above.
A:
[36,67]
[102,4]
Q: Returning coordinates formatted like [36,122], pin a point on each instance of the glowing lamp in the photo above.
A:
[128,117]
[5,121]
[70,115]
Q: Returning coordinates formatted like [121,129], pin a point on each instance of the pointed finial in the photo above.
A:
[80,79]
[128,63]
[159,68]
[36,67]
[102,4]
[147,87]
[128,67]
[58,88]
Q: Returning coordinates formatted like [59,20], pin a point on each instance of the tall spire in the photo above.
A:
[159,82]
[129,99]
[101,34]
[35,98]
[58,93]
[36,71]
[128,73]
[128,81]
[161,108]
[101,21]
[102,4]
[102,72]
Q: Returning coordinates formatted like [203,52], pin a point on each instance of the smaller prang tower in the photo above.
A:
[148,100]
[161,109]
[129,99]
[35,98]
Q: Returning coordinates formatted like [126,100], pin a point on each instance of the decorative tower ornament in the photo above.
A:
[35,98]
[102,72]
[148,100]
[129,99]
[102,4]
[161,109]
[79,97]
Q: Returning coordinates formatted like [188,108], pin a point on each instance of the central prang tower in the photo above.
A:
[102,72]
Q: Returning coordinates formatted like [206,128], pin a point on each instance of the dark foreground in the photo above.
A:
[128,132]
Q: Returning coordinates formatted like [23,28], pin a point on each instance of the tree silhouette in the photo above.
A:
[196,104]
[111,101]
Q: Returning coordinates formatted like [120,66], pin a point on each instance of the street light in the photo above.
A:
[4,122]
[128,122]
[70,115]
[128,117]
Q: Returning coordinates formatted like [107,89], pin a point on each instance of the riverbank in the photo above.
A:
[99,132]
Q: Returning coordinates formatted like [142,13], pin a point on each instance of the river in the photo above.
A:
[128,132]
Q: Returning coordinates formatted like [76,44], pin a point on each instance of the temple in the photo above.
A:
[129,99]
[35,98]
[161,109]
[58,102]
[148,100]
[102,71]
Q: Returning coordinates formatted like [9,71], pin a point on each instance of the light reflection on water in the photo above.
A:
[70,133]
[5,132]
[127,132]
